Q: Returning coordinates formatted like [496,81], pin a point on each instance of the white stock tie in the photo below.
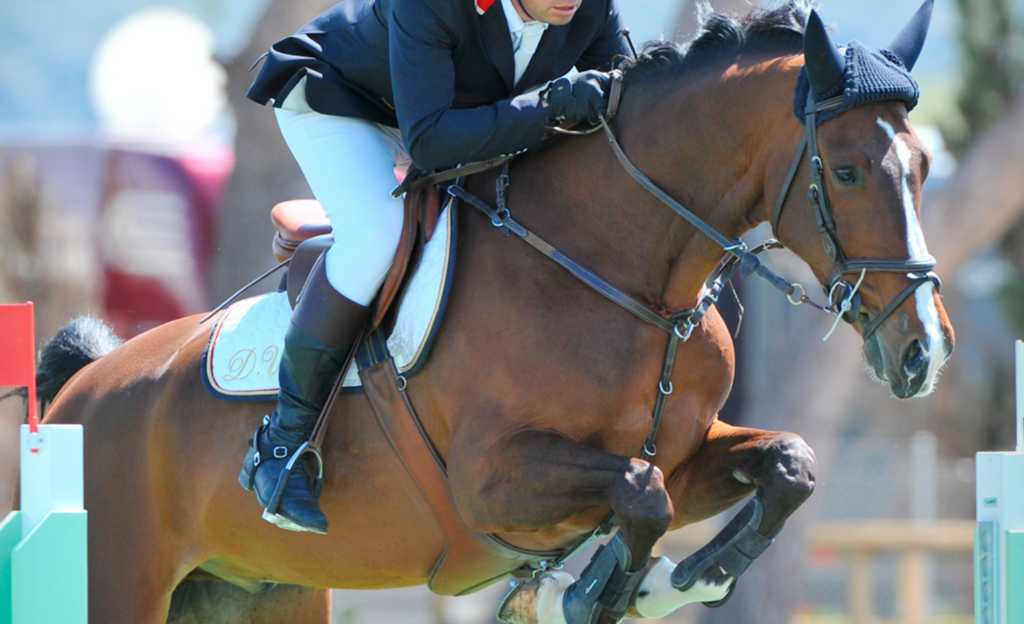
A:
[526,41]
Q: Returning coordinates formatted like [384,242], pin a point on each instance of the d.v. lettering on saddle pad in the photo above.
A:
[244,352]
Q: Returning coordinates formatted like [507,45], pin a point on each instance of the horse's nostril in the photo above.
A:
[914,359]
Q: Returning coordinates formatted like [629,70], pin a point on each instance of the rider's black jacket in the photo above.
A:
[438,69]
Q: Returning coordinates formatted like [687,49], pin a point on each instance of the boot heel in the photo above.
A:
[286,524]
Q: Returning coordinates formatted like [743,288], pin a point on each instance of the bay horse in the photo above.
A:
[538,394]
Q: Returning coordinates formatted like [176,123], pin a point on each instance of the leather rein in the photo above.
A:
[680,325]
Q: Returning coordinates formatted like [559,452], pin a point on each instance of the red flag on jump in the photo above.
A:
[18,353]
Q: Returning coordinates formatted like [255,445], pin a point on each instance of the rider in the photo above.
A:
[359,90]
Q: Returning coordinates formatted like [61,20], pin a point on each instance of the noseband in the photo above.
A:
[843,298]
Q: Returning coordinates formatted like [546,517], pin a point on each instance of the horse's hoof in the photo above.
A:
[714,604]
[656,597]
[537,601]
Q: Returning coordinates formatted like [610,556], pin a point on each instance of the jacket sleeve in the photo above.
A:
[423,79]
[608,44]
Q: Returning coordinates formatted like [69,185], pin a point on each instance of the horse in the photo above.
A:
[539,392]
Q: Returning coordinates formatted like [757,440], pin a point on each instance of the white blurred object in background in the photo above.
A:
[153,77]
[943,163]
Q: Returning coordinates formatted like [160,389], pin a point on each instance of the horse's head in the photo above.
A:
[862,236]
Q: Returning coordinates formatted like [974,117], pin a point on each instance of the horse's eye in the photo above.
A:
[846,175]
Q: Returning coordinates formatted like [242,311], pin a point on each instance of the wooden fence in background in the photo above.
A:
[860,543]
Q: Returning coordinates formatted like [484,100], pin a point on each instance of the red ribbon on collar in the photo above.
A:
[483,5]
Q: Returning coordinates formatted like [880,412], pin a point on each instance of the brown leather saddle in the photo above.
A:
[303,234]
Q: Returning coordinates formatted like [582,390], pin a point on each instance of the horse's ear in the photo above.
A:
[826,66]
[907,45]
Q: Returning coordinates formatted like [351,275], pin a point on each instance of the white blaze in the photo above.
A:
[929,315]
[927,311]
[915,235]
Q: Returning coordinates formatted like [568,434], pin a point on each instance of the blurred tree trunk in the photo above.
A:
[987,65]
[985,199]
[265,172]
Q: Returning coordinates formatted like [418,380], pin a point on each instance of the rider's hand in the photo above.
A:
[583,98]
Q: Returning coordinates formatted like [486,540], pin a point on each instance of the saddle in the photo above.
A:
[303,234]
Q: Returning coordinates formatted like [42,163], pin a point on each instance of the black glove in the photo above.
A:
[583,98]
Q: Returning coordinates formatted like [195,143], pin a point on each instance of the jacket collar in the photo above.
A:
[498,40]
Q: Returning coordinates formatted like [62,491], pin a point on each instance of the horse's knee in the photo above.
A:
[784,479]
[643,505]
[789,467]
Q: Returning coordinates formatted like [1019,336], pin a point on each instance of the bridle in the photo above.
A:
[843,297]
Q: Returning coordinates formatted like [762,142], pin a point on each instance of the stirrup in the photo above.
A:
[605,585]
[733,549]
[286,474]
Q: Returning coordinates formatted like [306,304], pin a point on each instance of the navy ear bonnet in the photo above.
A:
[870,76]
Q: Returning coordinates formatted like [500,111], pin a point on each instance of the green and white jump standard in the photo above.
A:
[999,540]
[43,565]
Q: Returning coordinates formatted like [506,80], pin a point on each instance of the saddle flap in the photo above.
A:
[422,209]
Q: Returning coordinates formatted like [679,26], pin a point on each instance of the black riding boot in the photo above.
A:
[323,327]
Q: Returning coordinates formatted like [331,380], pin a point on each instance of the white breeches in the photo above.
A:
[349,165]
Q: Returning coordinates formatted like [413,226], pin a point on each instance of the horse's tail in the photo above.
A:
[79,343]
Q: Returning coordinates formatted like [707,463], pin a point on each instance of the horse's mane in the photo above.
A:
[720,36]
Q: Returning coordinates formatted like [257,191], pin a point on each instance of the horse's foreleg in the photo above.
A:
[733,462]
[730,464]
[533,480]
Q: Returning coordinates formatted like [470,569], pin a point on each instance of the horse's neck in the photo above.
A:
[705,142]
[577,196]
[733,128]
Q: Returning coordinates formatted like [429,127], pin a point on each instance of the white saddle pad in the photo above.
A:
[244,353]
